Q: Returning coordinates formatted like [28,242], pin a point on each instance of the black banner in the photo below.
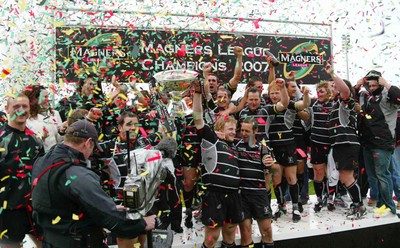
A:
[139,54]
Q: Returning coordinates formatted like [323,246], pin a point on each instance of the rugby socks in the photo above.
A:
[318,187]
[225,245]
[267,245]
[294,193]
[354,192]
[251,245]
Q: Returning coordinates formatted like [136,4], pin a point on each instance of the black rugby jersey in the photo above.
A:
[262,116]
[320,113]
[280,131]
[343,123]
[299,132]
[220,168]
[19,150]
[251,167]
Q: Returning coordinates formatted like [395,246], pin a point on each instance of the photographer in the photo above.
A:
[379,104]
[68,201]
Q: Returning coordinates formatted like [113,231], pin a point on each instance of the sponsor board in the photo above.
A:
[138,54]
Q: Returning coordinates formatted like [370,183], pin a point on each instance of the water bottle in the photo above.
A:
[265,151]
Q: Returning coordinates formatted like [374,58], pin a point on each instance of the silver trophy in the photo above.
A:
[176,83]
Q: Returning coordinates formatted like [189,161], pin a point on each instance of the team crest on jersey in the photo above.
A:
[209,154]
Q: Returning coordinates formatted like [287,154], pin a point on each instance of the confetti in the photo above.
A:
[75,217]
[56,220]
[3,233]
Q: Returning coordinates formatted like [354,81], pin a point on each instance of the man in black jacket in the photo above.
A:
[379,105]
[68,201]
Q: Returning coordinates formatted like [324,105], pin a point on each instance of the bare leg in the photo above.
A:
[228,233]
[211,236]
[245,232]
[266,230]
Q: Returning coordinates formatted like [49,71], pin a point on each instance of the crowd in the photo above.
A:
[56,163]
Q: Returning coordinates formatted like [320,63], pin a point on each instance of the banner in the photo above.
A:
[139,54]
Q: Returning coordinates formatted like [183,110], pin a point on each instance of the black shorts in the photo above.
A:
[219,208]
[319,153]
[346,156]
[285,155]
[17,224]
[256,206]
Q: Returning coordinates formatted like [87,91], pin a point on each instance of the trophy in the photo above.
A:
[176,82]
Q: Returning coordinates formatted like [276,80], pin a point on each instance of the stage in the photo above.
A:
[323,229]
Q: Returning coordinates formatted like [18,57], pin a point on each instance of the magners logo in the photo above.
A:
[301,59]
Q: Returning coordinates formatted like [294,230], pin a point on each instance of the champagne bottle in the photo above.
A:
[274,61]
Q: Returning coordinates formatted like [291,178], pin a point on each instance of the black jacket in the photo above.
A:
[378,118]
[69,199]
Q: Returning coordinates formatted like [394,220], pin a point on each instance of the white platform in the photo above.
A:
[311,224]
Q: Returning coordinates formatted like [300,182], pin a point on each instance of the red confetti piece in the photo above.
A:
[301,152]
[256,23]
[5,72]
[143,132]
[261,121]
[182,52]
[158,157]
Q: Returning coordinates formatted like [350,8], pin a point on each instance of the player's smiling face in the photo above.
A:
[230,131]
[246,130]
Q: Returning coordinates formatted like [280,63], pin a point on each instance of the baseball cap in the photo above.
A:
[83,129]
[373,75]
